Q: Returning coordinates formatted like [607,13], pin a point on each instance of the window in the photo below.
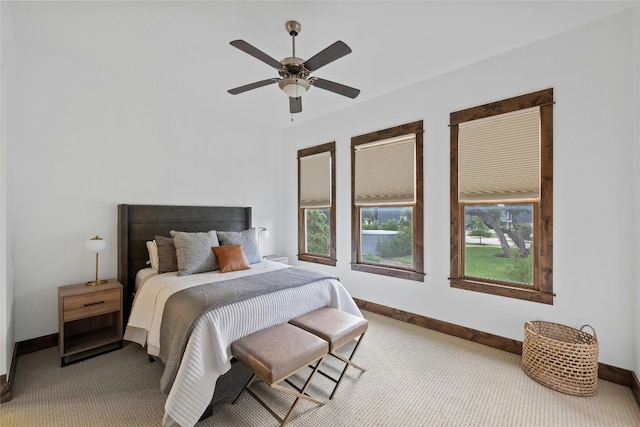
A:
[502,198]
[316,204]
[386,202]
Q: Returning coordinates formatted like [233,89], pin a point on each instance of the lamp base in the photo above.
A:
[96,282]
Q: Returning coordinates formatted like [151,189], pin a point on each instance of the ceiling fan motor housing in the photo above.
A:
[293,67]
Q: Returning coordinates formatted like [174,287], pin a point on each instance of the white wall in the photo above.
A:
[7,131]
[636,215]
[590,69]
[89,140]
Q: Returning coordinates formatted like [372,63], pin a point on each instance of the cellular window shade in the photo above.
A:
[315,180]
[499,157]
[385,172]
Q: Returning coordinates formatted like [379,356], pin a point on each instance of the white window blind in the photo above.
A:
[499,157]
[385,172]
[315,180]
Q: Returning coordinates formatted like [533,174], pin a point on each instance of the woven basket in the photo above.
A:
[560,357]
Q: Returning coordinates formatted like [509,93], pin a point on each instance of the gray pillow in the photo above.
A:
[247,239]
[193,251]
[167,260]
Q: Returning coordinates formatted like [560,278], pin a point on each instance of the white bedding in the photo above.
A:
[207,354]
[143,275]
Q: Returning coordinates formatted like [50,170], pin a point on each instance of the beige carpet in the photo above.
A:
[415,377]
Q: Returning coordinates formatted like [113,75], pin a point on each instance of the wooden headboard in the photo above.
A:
[138,224]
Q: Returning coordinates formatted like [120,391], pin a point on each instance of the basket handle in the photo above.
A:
[528,326]
[581,330]
[593,330]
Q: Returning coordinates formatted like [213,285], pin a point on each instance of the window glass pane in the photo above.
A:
[386,236]
[317,227]
[499,242]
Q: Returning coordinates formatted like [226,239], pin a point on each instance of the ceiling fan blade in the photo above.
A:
[250,86]
[330,54]
[256,53]
[295,105]
[335,87]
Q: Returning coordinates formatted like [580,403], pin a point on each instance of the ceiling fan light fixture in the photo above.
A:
[294,86]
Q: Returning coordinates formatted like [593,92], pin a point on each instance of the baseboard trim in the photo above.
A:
[495,341]
[606,372]
[6,382]
[37,344]
[19,349]
[5,389]
[635,386]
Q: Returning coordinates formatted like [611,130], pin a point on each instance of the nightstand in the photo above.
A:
[277,258]
[90,320]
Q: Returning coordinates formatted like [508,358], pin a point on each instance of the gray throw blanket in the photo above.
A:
[184,307]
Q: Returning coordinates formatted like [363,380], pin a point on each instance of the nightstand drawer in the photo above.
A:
[79,306]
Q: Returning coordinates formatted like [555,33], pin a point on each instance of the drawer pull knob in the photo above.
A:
[94,303]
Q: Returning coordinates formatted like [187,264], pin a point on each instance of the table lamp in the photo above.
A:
[95,244]
[263,233]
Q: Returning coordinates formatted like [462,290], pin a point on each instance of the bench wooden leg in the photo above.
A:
[246,387]
[347,361]
[298,393]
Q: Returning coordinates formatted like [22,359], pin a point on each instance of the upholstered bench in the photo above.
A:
[275,354]
[337,328]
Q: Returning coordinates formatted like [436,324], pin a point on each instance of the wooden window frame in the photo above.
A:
[302,230]
[417,272]
[542,289]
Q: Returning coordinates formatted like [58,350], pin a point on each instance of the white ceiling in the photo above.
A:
[184,46]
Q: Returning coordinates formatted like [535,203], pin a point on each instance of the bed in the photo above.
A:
[203,372]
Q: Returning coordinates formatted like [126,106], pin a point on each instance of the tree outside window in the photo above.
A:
[506,254]
[318,232]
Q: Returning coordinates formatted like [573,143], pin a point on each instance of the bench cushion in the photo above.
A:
[279,351]
[332,325]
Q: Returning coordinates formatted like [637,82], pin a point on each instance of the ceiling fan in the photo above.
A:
[294,72]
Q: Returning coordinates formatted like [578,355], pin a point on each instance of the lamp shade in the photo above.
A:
[264,233]
[293,86]
[95,244]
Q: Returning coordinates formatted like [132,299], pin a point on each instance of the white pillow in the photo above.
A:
[153,254]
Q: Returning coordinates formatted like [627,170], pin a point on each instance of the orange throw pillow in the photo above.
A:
[230,258]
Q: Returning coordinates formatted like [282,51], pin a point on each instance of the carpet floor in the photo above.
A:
[414,377]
